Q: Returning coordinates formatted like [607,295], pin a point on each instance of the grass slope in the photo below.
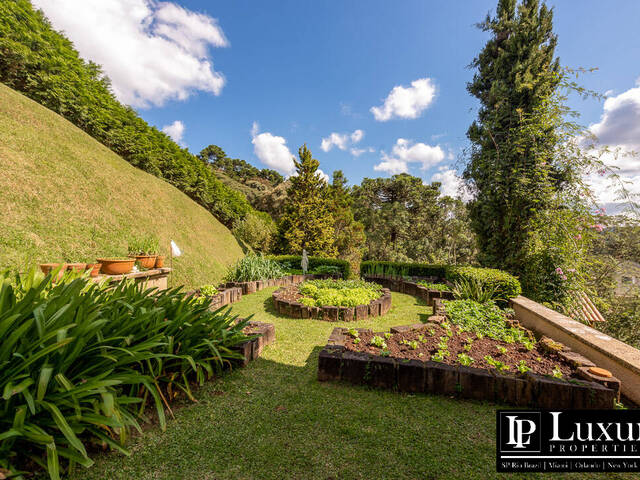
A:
[273,421]
[67,197]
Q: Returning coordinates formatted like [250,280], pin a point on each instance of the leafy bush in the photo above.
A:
[440,287]
[208,290]
[258,230]
[404,269]
[254,267]
[80,362]
[338,293]
[473,289]
[293,262]
[506,285]
[483,318]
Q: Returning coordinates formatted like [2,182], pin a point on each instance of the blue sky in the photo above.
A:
[305,69]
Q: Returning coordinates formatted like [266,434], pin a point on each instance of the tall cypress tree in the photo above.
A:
[307,222]
[512,170]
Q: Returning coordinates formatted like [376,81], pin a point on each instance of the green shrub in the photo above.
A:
[338,293]
[292,262]
[258,230]
[473,289]
[403,269]
[254,267]
[506,285]
[79,363]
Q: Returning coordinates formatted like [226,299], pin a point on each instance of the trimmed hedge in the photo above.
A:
[293,261]
[403,269]
[507,285]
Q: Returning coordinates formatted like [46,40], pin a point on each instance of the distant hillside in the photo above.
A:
[65,196]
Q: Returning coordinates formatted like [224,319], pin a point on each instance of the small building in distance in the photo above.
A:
[627,278]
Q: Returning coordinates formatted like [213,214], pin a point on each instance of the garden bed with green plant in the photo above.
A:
[333,300]
[473,335]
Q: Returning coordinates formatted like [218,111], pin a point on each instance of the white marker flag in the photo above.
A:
[175,250]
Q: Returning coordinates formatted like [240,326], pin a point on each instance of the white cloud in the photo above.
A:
[620,122]
[341,140]
[175,131]
[405,152]
[272,150]
[391,165]
[619,128]
[152,51]
[356,152]
[451,183]
[357,135]
[406,102]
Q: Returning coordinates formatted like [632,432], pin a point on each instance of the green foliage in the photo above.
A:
[522,366]
[349,234]
[379,342]
[339,293]
[485,319]
[505,285]
[440,287]
[512,170]
[317,265]
[498,365]
[307,222]
[405,220]
[257,230]
[144,245]
[473,289]
[43,64]
[79,363]
[403,269]
[236,168]
[252,268]
[465,359]
[208,290]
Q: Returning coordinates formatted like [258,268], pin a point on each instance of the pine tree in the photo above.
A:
[512,170]
[307,222]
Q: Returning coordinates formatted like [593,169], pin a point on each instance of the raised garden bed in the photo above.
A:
[251,349]
[290,301]
[415,286]
[404,359]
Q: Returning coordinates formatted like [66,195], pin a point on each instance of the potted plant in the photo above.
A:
[117,265]
[144,250]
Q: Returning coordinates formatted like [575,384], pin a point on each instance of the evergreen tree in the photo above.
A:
[307,222]
[348,234]
[512,170]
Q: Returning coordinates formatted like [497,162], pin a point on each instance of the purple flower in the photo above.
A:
[563,277]
[598,226]
[571,270]
[578,237]
[559,271]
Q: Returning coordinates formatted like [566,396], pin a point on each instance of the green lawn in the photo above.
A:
[274,420]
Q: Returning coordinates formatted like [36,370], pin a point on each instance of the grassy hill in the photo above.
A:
[64,196]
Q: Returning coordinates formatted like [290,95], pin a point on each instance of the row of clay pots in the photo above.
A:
[107,266]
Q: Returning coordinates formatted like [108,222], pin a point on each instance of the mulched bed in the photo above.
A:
[538,359]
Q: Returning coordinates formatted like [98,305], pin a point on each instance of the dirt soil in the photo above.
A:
[539,360]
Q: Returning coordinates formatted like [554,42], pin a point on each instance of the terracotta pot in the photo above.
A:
[160,261]
[94,268]
[76,267]
[146,261]
[47,267]
[116,266]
